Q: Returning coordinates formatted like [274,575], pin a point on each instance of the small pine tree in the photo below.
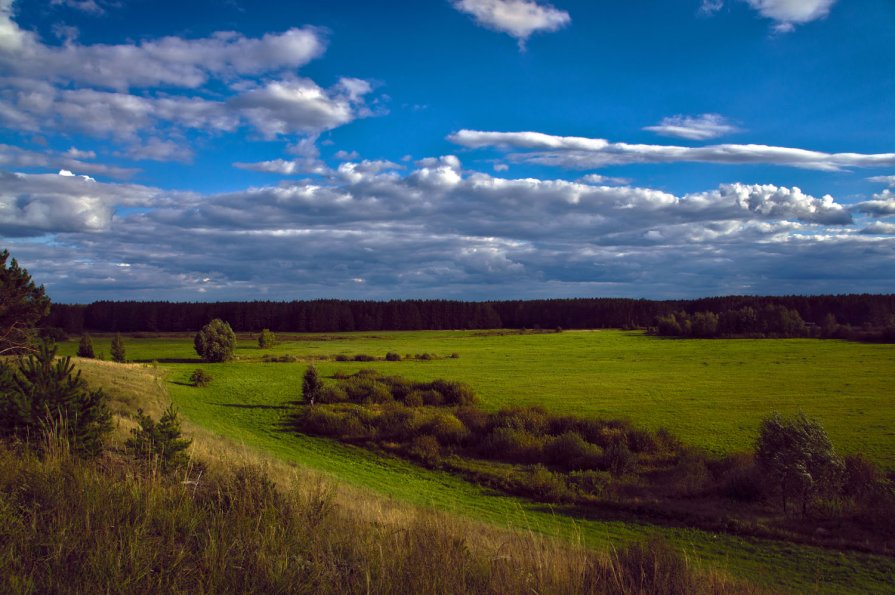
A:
[267,339]
[200,378]
[311,385]
[160,441]
[118,348]
[85,347]
[43,393]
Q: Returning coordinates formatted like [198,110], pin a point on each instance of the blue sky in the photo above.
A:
[472,149]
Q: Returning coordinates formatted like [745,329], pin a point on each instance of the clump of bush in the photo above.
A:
[200,378]
[159,443]
[279,359]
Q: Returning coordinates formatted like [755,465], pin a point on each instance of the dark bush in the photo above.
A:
[740,478]
[543,484]
[342,358]
[414,399]
[618,459]
[331,394]
[447,429]
[85,347]
[392,357]
[534,420]
[426,449]
[200,378]
[363,357]
[655,567]
[571,451]
[397,423]
[432,398]
[862,477]
[475,420]
[454,393]
[53,333]
[514,446]
[589,482]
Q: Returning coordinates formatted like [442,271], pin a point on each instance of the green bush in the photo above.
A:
[266,339]
[426,449]
[514,446]
[571,451]
[618,459]
[215,342]
[534,420]
[118,352]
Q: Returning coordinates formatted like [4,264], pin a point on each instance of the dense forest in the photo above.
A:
[855,313]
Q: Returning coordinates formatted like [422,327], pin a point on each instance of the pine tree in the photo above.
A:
[44,393]
[159,441]
[85,347]
[118,348]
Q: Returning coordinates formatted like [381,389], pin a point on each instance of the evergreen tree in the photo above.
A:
[22,305]
[44,393]
[160,441]
[118,349]
[85,347]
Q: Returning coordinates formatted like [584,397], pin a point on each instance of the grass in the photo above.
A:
[710,392]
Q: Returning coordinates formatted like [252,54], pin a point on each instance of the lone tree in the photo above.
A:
[118,348]
[216,341]
[43,394]
[267,339]
[798,454]
[22,305]
[311,385]
[85,347]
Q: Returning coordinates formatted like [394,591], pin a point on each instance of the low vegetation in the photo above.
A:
[609,463]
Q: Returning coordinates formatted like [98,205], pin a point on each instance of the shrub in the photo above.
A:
[160,441]
[215,342]
[432,398]
[446,428]
[363,357]
[475,420]
[118,353]
[342,358]
[282,359]
[543,484]
[589,482]
[392,357]
[414,399]
[619,459]
[266,339]
[426,449]
[331,394]
[862,477]
[514,446]
[85,347]
[534,420]
[52,333]
[571,451]
[454,393]
[741,479]
[200,378]
[690,475]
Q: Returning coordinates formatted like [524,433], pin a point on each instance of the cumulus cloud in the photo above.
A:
[887,180]
[169,61]
[399,231]
[703,127]
[786,14]
[879,228]
[72,159]
[517,18]
[587,153]
[883,204]
[286,167]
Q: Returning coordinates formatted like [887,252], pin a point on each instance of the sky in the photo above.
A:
[448,149]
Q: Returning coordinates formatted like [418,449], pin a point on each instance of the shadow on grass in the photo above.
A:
[171,360]
[245,406]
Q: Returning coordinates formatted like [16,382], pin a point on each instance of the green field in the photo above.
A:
[711,393]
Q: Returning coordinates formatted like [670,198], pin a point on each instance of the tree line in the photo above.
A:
[856,313]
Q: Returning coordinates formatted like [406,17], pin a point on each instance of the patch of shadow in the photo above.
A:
[245,406]
[171,360]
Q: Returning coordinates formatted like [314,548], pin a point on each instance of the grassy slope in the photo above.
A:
[706,387]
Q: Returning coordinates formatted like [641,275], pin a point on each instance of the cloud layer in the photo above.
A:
[375,229]
[703,127]
[589,153]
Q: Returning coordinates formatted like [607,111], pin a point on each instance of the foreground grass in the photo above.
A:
[246,404]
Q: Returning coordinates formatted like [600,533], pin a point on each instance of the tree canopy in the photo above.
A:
[22,305]
[216,341]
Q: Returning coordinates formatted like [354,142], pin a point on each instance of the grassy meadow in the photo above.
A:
[711,393]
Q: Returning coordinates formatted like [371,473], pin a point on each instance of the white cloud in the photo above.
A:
[598,179]
[788,13]
[89,6]
[702,127]
[879,228]
[286,167]
[517,18]
[887,180]
[588,153]
[73,159]
[401,233]
[169,61]
[883,204]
